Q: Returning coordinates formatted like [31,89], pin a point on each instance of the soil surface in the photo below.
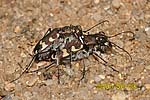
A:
[24,22]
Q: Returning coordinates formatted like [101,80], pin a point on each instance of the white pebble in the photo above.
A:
[116,3]
[119,96]
[147,30]
[99,78]
[147,86]
[102,76]
[96,1]
[147,67]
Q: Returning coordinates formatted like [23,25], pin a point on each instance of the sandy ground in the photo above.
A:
[24,22]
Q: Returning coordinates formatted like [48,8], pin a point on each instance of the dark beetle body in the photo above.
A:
[67,46]
[94,43]
[55,40]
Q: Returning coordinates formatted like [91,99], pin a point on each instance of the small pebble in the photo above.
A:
[95,91]
[77,65]
[147,30]
[119,96]
[96,1]
[143,88]
[147,67]
[51,14]
[17,29]
[39,73]
[102,76]
[9,86]
[97,79]
[116,3]
[23,54]
[147,86]
[120,76]
[107,7]
[91,81]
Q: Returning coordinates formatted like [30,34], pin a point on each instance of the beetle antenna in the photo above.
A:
[123,50]
[95,26]
[121,33]
[105,63]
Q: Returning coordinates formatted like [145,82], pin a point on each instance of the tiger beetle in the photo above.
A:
[54,41]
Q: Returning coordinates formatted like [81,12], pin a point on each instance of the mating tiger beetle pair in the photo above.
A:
[63,45]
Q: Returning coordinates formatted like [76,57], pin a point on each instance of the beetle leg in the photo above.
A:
[48,31]
[105,62]
[83,71]
[70,59]
[57,65]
